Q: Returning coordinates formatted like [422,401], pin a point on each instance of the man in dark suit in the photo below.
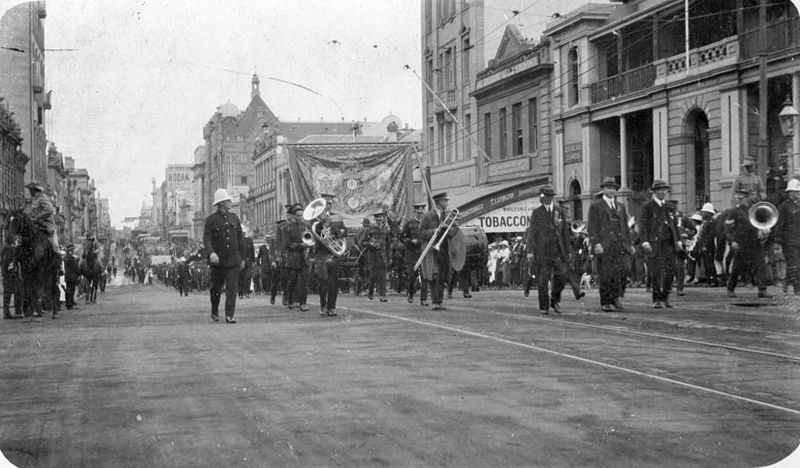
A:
[376,242]
[549,249]
[326,266]
[294,251]
[609,237]
[224,242]
[435,266]
[660,242]
[266,266]
[410,237]
[246,275]
[72,276]
[745,242]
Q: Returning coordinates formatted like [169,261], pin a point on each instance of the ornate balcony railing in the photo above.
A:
[624,83]
[701,60]
[782,34]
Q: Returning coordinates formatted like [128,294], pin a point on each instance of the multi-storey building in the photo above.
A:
[22,81]
[56,188]
[12,164]
[199,190]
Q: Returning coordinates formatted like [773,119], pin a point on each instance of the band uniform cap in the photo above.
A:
[69,246]
[34,186]
[708,208]
[748,161]
[379,213]
[609,182]
[327,195]
[366,222]
[658,185]
[420,205]
[547,190]
[220,195]
[294,208]
[744,190]
[793,186]
[439,195]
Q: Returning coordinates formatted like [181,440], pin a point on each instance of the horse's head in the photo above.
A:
[19,226]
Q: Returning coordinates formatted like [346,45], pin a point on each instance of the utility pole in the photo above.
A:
[762,89]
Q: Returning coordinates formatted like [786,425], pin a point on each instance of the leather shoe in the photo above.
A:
[544,311]
[410,300]
[215,318]
[323,311]
[369,296]
[304,308]
[658,305]
[667,305]
[331,312]
[423,303]
[438,307]
[764,295]
[272,300]
[580,296]
[556,307]
[229,319]
[383,299]
[467,295]
[618,305]
[606,308]
[731,294]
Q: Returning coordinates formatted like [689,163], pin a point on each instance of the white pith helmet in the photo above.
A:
[221,195]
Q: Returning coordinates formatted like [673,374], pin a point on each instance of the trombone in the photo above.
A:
[437,239]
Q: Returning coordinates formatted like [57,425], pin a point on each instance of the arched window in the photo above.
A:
[575,199]
[572,77]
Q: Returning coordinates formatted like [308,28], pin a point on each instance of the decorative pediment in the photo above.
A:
[511,43]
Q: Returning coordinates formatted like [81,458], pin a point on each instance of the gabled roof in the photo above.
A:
[512,43]
[250,116]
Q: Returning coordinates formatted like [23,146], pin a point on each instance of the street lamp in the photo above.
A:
[788,118]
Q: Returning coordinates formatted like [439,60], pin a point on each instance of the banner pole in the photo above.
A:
[424,179]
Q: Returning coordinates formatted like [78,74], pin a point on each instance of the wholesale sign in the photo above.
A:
[514,217]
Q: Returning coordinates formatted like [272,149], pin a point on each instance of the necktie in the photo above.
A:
[613,206]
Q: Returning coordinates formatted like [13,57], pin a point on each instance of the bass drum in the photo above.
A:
[469,248]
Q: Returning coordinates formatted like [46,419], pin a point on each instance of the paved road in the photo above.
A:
[144,378]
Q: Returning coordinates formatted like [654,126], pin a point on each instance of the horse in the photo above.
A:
[39,265]
[91,269]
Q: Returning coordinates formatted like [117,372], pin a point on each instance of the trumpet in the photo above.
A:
[437,239]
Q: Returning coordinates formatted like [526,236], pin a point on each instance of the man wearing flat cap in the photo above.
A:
[610,239]
[226,249]
[749,179]
[744,240]
[326,263]
[661,242]
[410,237]
[294,250]
[549,250]
[435,267]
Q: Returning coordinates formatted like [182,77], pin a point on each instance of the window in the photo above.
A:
[440,74]
[487,134]
[428,15]
[429,77]
[502,120]
[244,180]
[467,136]
[449,146]
[439,150]
[465,78]
[448,68]
[572,77]
[533,125]
[516,124]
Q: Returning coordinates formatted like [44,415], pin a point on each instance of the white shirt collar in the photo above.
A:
[658,201]
[609,201]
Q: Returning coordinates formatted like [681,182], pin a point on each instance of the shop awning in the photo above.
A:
[478,201]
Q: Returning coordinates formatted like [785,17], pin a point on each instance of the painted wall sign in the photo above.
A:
[522,164]
[506,72]
[514,217]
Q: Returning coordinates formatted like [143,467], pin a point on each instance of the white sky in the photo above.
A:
[147,75]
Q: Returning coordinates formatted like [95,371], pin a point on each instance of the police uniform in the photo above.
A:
[11,282]
[786,234]
[410,237]
[223,236]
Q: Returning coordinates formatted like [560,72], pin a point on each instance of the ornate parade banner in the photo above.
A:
[365,178]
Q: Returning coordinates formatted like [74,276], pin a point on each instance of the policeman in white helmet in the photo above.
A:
[786,233]
[225,245]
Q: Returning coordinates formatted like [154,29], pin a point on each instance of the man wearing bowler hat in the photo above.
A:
[436,265]
[660,242]
[609,237]
[225,246]
[549,250]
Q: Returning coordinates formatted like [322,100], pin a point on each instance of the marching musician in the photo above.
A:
[268,268]
[294,252]
[548,247]
[376,240]
[745,244]
[609,236]
[436,264]
[410,237]
[786,233]
[661,242]
[325,264]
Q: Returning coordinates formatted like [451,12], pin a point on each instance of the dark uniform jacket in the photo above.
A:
[249,251]
[337,229]
[613,236]
[738,228]
[548,236]
[278,254]
[411,239]
[428,227]
[658,224]
[787,231]
[72,273]
[264,258]
[377,242]
[223,235]
[7,257]
[292,243]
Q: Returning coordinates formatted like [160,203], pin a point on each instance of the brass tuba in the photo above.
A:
[318,232]
[578,227]
[763,215]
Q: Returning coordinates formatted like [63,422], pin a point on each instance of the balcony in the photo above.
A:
[626,83]
[448,97]
[781,35]
[701,60]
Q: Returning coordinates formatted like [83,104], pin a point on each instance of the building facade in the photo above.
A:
[22,81]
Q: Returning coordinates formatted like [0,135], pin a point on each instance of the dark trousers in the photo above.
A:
[229,277]
[11,287]
[377,279]
[436,287]
[792,255]
[183,286]
[296,285]
[612,267]
[328,284]
[265,277]
[662,265]
[69,293]
[743,260]
[547,270]
[245,275]
[462,277]
[412,276]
